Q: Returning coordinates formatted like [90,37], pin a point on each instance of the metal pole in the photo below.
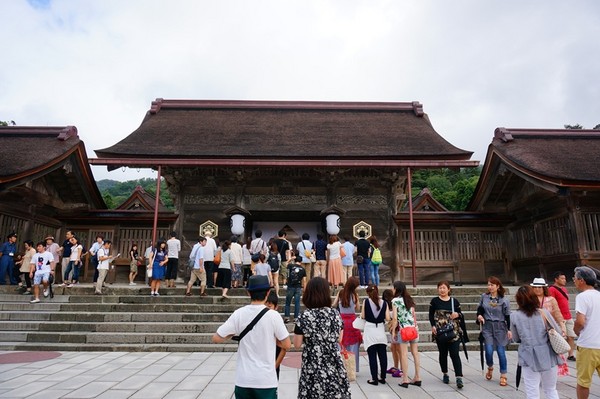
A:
[156,202]
[412,229]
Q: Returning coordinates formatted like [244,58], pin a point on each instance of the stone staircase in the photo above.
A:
[128,319]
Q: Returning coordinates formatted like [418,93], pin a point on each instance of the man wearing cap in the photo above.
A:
[587,327]
[8,250]
[53,248]
[255,375]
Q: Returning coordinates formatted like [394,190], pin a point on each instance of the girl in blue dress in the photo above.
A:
[158,260]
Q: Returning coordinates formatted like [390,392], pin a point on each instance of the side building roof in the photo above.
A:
[56,153]
[554,159]
[284,130]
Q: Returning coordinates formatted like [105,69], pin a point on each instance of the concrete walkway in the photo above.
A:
[182,375]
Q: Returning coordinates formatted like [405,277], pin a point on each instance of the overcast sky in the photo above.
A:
[474,65]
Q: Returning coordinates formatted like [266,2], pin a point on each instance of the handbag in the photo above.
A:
[217,259]
[359,323]
[350,364]
[446,333]
[409,333]
[557,342]
[342,252]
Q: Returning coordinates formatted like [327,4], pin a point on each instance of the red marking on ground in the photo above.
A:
[292,359]
[27,357]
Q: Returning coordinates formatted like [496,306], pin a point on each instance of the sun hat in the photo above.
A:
[49,238]
[538,282]
[258,283]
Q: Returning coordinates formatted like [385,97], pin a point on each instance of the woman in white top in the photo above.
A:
[224,270]
[74,262]
[335,273]
[376,313]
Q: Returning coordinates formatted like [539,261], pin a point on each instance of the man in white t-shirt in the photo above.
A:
[255,374]
[41,266]
[587,326]
[173,246]
[210,249]
[104,260]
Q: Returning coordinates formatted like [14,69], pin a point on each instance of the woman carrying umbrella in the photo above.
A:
[494,315]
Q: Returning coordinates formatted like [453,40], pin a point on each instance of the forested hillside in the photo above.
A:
[115,192]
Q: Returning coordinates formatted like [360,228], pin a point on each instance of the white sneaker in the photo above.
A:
[36,300]
[284,287]
[46,293]
[70,285]
[132,283]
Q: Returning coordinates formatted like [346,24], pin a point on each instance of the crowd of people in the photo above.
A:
[327,330]
[311,273]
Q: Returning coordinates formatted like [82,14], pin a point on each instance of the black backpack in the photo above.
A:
[273,261]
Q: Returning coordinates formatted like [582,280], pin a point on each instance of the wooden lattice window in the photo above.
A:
[591,229]
[556,236]
[524,242]
[430,245]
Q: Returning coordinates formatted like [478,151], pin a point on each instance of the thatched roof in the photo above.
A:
[195,129]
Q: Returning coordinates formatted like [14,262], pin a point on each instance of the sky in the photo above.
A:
[474,65]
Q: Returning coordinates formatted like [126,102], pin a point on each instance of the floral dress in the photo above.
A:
[323,374]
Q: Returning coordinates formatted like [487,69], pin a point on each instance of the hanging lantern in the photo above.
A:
[333,223]
[238,224]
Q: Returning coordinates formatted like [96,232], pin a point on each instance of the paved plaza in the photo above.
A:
[148,375]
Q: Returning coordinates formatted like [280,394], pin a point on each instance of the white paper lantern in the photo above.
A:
[333,223]
[238,224]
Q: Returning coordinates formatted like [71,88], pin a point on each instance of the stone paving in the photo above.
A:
[182,375]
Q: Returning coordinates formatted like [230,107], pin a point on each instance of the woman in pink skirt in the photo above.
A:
[335,272]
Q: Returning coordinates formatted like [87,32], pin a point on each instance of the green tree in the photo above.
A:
[452,188]
[7,123]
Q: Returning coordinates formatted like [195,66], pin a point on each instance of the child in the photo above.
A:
[271,303]
[41,266]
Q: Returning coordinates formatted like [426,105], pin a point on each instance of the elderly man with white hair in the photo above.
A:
[587,326]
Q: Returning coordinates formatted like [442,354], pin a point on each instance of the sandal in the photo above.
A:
[503,381]
[488,375]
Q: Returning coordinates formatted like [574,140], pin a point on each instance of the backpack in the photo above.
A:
[376,258]
[273,261]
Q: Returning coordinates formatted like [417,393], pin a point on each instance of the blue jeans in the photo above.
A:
[489,357]
[293,292]
[375,273]
[364,271]
[75,268]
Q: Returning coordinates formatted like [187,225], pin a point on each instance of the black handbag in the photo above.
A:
[446,333]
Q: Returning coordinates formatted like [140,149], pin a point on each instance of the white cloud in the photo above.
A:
[474,65]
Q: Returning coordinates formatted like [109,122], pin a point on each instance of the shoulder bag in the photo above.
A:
[251,325]
[557,342]
[409,333]
[446,333]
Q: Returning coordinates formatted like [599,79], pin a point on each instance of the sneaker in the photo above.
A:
[70,285]
[62,285]
[132,283]
[459,382]
[36,300]
[152,294]
[27,293]
[156,294]
[391,370]
[284,287]
[446,379]
[397,374]
[46,293]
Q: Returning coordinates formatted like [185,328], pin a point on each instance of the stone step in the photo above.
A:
[99,317]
